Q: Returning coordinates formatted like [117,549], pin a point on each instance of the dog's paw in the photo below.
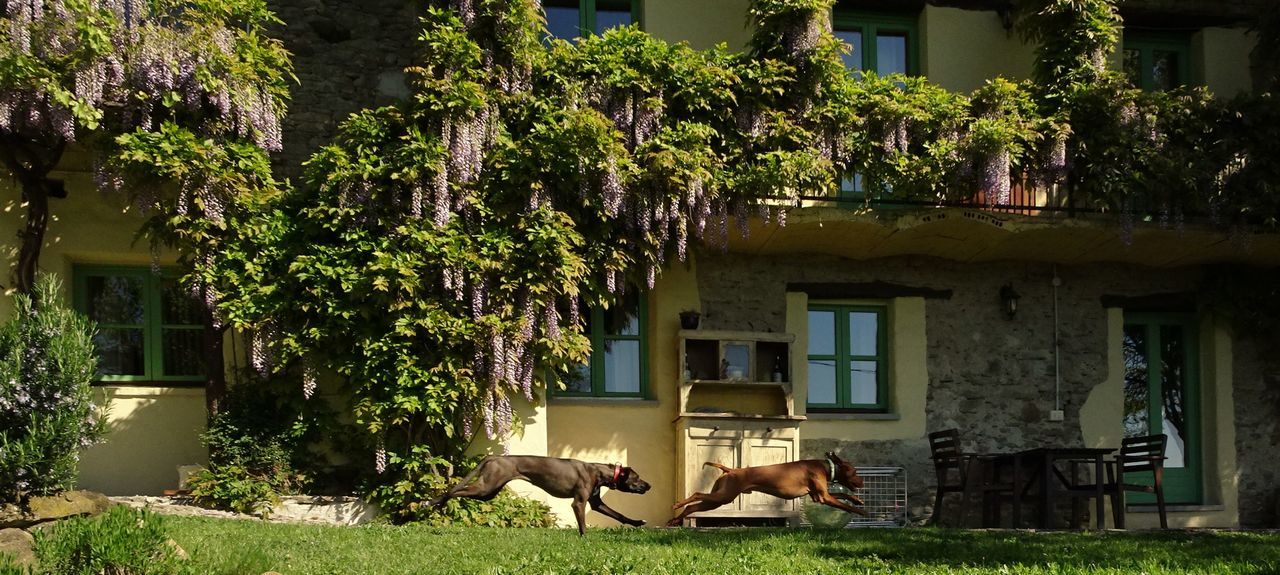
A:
[637,523]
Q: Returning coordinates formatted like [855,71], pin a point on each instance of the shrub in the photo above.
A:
[264,444]
[420,480]
[122,541]
[46,411]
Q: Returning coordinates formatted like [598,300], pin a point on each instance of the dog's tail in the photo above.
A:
[448,493]
[722,468]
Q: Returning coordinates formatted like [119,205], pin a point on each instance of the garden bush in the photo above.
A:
[122,541]
[46,410]
[268,442]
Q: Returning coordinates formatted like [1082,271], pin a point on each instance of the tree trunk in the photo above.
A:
[215,369]
[36,193]
[30,162]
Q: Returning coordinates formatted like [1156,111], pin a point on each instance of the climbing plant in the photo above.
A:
[442,252]
[178,101]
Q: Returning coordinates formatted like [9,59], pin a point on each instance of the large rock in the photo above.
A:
[67,504]
[18,545]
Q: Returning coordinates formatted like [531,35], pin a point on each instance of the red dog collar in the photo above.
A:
[617,472]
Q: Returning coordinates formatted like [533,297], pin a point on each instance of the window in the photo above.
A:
[149,326]
[884,43]
[1157,60]
[567,19]
[847,358]
[617,365]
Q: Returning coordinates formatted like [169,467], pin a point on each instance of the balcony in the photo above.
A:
[1033,224]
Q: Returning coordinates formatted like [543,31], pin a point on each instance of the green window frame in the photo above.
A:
[152,324]
[874,24]
[871,25]
[596,368]
[843,359]
[588,10]
[1140,49]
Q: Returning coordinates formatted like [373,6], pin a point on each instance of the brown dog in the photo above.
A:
[566,478]
[785,480]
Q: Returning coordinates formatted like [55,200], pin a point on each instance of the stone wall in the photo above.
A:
[347,56]
[1257,403]
[992,377]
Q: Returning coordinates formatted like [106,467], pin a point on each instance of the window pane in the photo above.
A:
[822,381]
[822,332]
[1173,383]
[119,351]
[1133,66]
[612,15]
[862,383]
[1164,70]
[863,326]
[736,360]
[116,299]
[183,351]
[578,380]
[177,305]
[622,366]
[1135,382]
[562,21]
[891,54]
[852,60]
[624,317]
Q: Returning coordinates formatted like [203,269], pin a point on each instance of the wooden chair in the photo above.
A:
[1137,454]
[958,472]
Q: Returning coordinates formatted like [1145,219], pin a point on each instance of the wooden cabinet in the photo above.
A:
[740,417]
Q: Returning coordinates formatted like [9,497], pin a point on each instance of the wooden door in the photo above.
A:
[711,444]
[759,451]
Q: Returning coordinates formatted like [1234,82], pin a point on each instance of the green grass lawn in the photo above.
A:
[224,547]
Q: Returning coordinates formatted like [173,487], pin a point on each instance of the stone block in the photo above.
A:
[18,545]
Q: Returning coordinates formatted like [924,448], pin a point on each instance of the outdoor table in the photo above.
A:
[1050,479]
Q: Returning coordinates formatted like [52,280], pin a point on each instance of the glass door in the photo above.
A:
[1161,395]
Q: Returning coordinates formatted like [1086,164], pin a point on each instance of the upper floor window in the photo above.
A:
[617,365]
[1157,60]
[848,359]
[882,42]
[150,327]
[569,19]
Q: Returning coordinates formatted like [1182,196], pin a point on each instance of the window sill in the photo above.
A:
[180,383]
[604,401]
[853,416]
[1170,508]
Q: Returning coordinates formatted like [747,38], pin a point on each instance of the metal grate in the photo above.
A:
[884,490]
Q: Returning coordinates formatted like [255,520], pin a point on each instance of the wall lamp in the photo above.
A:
[1009,300]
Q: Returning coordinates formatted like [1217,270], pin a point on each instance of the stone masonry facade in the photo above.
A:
[991,377]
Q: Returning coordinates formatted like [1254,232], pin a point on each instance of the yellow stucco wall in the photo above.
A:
[702,23]
[961,49]
[1103,410]
[1220,60]
[908,374]
[639,433]
[151,430]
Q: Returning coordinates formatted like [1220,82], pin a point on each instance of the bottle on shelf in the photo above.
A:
[777,369]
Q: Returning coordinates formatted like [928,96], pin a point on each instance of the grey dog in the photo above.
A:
[564,478]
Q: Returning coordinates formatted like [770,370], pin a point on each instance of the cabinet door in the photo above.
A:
[759,451]
[724,451]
